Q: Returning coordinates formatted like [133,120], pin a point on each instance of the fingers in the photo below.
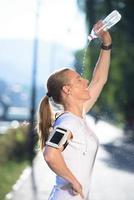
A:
[99,28]
[75,192]
[82,195]
[98,25]
[78,193]
[76,188]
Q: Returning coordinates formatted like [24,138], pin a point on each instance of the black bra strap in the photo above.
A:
[56,117]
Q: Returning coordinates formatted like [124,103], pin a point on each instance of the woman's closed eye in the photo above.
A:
[79,78]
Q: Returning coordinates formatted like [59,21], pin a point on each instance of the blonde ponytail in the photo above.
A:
[44,122]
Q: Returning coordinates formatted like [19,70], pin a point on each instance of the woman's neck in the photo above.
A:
[75,109]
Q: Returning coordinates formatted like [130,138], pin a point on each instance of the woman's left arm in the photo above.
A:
[100,73]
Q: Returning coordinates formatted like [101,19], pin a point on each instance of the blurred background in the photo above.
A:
[38,37]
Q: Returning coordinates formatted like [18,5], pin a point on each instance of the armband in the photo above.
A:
[58,137]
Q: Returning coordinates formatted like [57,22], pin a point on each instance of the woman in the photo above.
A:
[73,161]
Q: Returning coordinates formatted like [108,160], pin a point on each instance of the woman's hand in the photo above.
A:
[104,35]
[74,188]
[77,189]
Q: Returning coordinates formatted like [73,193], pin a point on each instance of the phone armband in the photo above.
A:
[58,137]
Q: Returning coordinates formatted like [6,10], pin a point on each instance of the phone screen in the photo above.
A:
[56,137]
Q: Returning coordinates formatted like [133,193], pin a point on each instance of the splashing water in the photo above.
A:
[84,58]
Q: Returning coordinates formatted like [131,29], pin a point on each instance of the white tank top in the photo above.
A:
[81,151]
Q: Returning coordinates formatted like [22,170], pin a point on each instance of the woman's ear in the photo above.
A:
[66,89]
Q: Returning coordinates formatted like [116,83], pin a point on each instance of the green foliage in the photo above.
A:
[14,157]
[9,173]
[13,145]
[117,99]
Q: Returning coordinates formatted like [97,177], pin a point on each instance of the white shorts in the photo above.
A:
[60,194]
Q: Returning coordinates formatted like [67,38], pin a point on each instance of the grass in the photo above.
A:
[9,173]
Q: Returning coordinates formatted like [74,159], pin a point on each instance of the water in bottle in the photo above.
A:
[107,23]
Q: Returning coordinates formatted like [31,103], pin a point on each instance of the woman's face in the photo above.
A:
[78,86]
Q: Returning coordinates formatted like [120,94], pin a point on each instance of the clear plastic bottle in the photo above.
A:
[107,23]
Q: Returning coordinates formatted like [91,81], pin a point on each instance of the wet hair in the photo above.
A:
[55,84]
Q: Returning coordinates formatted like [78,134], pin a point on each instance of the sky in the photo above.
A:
[59,20]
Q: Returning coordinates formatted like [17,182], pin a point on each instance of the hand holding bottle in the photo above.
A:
[104,25]
[101,33]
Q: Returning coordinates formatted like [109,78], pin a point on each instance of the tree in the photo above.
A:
[117,100]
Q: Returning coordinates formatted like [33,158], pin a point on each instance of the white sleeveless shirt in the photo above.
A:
[80,153]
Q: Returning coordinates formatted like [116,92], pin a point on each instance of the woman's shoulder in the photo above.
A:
[65,117]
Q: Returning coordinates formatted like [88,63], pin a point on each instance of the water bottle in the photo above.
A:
[107,23]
